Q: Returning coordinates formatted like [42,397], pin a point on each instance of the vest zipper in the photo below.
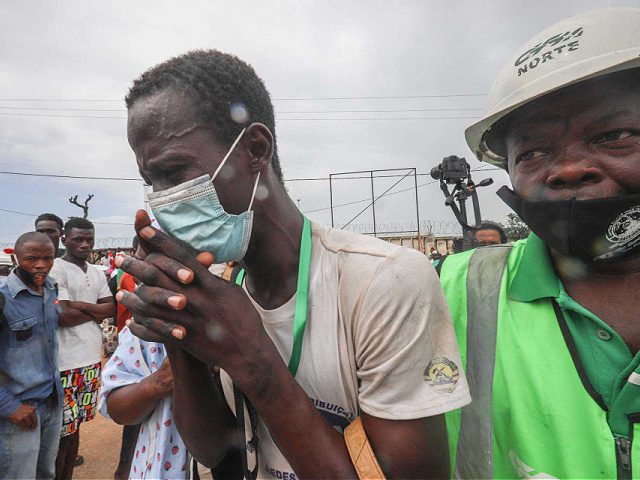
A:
[623,457]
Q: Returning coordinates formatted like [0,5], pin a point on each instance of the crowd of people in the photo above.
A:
[320,353]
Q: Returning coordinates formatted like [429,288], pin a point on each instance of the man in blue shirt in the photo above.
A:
[31,395]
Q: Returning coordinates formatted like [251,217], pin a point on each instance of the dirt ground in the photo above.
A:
[100,446]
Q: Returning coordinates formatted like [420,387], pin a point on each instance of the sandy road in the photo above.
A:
[100,447]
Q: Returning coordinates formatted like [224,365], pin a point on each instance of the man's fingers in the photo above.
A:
[161,297]
[143,333]
[163,330]
[156,241]
[142,219]
[205,258]
[141,308]
[144,271]
[171,267]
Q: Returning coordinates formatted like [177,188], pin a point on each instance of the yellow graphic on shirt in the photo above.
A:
[442,374]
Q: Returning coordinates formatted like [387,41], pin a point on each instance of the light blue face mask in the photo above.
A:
[192,212]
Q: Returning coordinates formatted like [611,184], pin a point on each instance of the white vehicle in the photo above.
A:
[7,257]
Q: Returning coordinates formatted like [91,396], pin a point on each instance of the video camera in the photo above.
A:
[456,171]
[452,170]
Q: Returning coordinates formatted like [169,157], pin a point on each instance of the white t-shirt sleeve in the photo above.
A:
[408,362]
[59,275]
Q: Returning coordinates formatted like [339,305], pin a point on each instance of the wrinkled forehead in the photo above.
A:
[163,115]
[36,247]
[597,100]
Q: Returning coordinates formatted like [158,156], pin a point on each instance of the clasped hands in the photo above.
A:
[180,303]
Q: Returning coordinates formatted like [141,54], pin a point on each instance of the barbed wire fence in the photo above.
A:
[435,227]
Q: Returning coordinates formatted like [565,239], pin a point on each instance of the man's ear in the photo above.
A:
[63,239]
[260,143]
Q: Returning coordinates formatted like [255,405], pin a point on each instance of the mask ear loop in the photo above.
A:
[224,160]
[253,195]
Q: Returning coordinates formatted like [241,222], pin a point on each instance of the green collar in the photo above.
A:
[534,277]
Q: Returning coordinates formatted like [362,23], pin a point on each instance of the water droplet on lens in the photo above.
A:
[239,113]
[262,192]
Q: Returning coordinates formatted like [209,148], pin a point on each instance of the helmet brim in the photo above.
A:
[477,135]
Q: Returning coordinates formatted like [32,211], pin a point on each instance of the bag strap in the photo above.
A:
[252,445]
[440,263]
[361,453]
[234,273]
[241,401]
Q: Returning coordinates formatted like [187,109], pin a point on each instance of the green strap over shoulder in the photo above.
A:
[302,295]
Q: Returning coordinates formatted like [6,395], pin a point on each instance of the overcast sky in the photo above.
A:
[63,63]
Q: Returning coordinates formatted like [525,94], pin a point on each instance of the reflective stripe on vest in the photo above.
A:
[474,458]
[531,414]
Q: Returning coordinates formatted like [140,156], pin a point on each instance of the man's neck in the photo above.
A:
[572,271]
[272,259]
[76,261]
[608,291]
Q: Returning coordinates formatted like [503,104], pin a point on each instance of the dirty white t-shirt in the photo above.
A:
[378,339]
[79,345]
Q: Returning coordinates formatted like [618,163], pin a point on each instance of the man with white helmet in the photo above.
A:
[547,326]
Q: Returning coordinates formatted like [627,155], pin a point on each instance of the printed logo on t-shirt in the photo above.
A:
[442,374]
[282,475]
[338,417]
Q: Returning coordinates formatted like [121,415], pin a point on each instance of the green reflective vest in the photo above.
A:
[534,413]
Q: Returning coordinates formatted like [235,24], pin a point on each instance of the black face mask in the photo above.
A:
[599,230]
[29,277]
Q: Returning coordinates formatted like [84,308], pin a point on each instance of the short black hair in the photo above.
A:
[217,82]
[488,225]
[77,222]
[51,217]
[31,237]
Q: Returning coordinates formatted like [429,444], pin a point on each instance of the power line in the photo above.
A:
[400,110]
[479,169]
[69,176]
[367,97]
[372,118]
[67,109]
[299,179]
[385,97]
[279,119]
[57,115]
[34,215]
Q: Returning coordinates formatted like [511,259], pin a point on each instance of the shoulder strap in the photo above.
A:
[252,445]
[439,264]
[235,272]
[474,456]
[361,453]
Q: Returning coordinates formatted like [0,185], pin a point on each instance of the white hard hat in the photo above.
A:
[573,50]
